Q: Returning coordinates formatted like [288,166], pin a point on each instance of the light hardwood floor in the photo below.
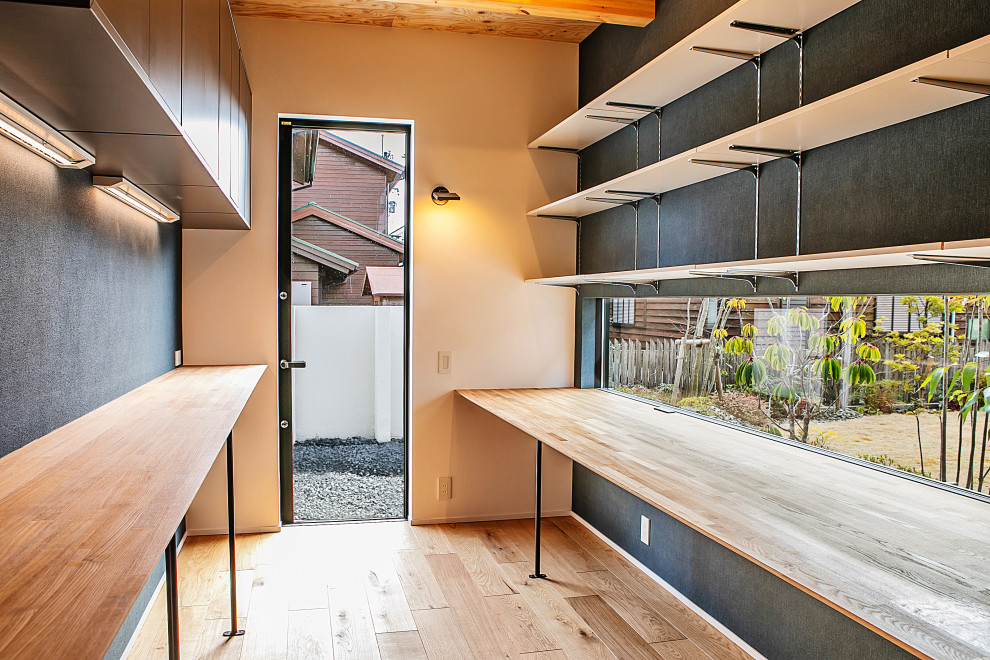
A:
[389,591]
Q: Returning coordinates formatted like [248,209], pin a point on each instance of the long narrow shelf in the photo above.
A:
[902,255]
[890,99]
[91,506]
[679,70]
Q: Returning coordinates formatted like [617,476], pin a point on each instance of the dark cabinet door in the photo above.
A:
[201,78]
[243,198]
[132,21]
[165,56]
[229,98]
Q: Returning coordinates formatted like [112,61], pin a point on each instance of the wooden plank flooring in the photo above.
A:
[390,591]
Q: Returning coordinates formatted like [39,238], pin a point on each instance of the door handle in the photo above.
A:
[292,364]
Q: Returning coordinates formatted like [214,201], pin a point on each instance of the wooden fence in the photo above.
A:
[687,365]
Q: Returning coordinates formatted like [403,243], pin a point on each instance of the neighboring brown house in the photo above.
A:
[338,274]
[340,224]
[351,181]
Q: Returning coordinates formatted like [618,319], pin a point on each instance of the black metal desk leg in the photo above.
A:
[172,600]
[231,543]
[539,508]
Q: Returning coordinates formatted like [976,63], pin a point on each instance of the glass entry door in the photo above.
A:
[343,271]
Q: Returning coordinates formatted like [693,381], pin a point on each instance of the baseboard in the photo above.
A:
[523,515]
[147,610]
[214,531]
[678,595]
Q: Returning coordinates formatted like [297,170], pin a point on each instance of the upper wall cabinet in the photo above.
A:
[155,88]
[201,77]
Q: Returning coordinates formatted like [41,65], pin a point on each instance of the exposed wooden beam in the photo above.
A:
[619,12]
[372,12]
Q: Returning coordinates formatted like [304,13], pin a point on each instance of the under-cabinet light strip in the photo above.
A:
[31,132]
[134,197]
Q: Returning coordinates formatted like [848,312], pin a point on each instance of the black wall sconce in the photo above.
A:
[441,196]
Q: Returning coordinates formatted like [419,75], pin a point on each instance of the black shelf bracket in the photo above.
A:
[751,277]
[962,86]
[557,217]
[793,35]
[727,164]
[962,260]
[608,283]
[796,157]
[566,150]
[752,168]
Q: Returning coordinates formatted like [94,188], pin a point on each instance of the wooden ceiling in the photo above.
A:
[551,20]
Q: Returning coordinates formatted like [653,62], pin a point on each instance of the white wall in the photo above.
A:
[348,388]
[476,101]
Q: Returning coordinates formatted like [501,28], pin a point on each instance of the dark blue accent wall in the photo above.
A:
[774,617]
[89,296]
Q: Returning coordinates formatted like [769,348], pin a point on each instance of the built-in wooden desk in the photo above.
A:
[908,560]
[87,509]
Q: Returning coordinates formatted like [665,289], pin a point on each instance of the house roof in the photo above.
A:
[393,170]
[324,257]
[317,211]
[386,281]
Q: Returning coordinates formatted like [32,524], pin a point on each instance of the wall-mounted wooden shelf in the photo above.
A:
[901,255]
[679,70]
[875,104]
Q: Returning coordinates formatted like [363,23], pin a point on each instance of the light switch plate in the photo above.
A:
[644,530]
[178,358]
[443,362]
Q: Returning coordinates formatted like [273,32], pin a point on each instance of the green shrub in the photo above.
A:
[701,404]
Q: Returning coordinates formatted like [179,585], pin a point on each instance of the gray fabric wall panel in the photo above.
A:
[610,240]
[89,296]
[708,222]
[778,209]
[723,106]
[779,80]
[608,158]
[648,242]
[616,155]
[919,181]
[874,37]
[612,52]
[775,618]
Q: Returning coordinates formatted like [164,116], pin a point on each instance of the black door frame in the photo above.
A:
[285,125]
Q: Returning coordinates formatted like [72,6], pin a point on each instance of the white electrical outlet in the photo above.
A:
[178,358]
[644,530]
[443,488]
[443,362]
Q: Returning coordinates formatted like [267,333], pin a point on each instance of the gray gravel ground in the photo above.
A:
[348,479]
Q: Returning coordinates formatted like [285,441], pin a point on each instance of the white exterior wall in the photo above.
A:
[352,383]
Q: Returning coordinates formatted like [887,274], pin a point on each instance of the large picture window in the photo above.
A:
[900,381]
